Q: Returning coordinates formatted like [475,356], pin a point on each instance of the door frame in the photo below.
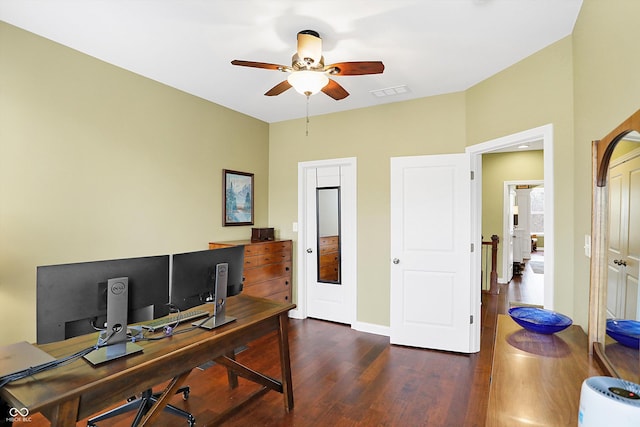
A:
[544,133]
[348,218]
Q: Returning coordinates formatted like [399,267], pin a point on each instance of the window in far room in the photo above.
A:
[537,211]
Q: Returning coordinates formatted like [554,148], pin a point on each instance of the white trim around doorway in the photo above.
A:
[544,133]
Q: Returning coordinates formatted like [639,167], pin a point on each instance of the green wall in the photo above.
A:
[99,163]
[496,169]
[607,91]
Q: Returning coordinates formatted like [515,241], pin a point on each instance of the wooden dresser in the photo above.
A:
[267,267]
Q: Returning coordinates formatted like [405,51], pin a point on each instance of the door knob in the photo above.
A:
[396,261]
[309,250]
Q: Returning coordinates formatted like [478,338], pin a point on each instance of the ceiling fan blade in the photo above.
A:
[264,65]
[334,90]
[355,68]
[279,88]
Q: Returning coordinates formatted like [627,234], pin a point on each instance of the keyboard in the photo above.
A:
[172,319]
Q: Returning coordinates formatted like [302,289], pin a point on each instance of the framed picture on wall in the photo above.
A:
[237,198]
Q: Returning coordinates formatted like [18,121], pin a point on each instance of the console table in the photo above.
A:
[75,391]
[536,379]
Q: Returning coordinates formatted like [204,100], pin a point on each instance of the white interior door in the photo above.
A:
[329,241]
[523,230]
[624,240]
[431,286]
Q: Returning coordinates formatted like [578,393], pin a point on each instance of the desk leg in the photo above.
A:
[231,376]
[168,392]
[285,361]
[65,414]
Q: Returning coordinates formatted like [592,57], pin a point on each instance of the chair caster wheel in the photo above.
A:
[191,421]
[185,395]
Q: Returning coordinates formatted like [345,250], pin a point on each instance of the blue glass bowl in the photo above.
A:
[626,332]
[540,320]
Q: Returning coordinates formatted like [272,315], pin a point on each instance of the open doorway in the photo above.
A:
[522,223]
[523,255]
[543,136]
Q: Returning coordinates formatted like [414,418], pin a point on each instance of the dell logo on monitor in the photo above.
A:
[118,287]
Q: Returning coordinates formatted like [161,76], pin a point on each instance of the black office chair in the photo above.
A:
[142,404]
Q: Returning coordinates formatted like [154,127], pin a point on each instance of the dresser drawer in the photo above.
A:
[328,240]
[284,296]
[268,287]
[266,272]
[267,248]
[331,258]
[265,259]
[329,272]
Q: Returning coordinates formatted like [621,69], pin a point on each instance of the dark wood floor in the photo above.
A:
[347,378]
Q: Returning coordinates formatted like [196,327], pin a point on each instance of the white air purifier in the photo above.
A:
[607,401]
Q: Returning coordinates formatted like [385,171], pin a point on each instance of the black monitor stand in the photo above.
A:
[220,300]
[116,333]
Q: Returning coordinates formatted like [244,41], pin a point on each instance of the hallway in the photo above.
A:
[528,287]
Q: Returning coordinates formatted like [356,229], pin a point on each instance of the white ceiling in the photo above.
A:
[431,46]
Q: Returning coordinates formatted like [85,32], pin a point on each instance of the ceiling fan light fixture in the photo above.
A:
[308,82]
[309,47]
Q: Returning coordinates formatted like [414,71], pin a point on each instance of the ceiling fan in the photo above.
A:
[308,74]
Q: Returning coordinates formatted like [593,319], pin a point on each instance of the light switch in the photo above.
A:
[587,245]
[295,227]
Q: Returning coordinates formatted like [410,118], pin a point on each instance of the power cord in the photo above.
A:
[54,363]
[45,366]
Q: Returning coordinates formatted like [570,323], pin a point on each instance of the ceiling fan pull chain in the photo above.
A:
[307,115]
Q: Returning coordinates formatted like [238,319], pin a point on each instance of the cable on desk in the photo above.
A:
[53,364]
[44,367]
[174,332]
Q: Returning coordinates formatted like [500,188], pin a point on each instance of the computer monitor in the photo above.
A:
[195,277]
[71,299]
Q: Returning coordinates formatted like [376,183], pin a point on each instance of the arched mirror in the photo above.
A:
[615,255]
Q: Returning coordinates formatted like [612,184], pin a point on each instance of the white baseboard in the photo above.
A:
[295,314]
[372,328]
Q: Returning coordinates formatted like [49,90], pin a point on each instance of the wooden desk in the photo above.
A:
[535,378]
[75,391]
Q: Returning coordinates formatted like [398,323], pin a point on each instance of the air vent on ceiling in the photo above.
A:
[390,91]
